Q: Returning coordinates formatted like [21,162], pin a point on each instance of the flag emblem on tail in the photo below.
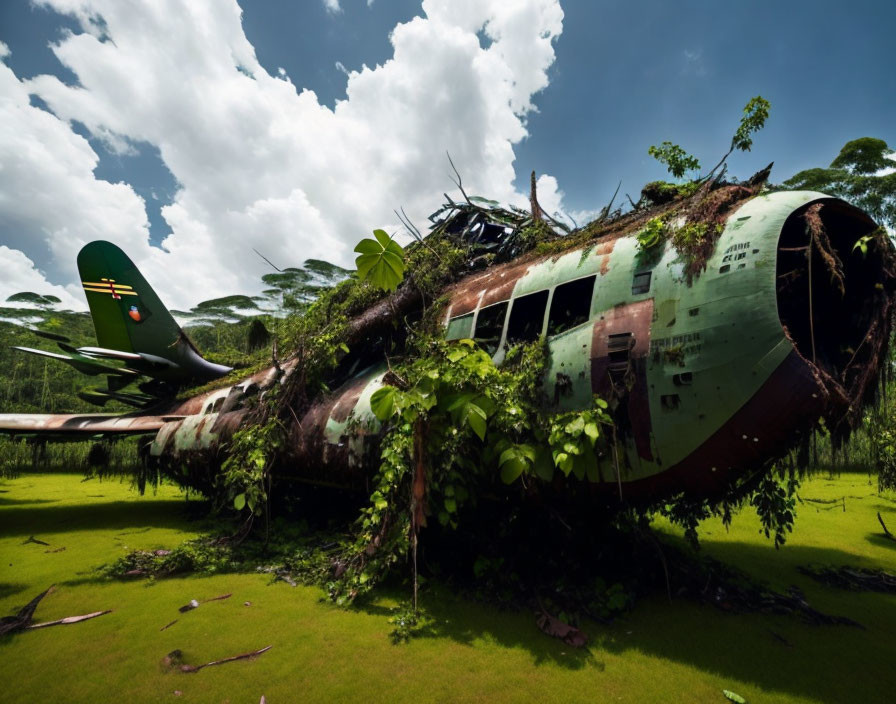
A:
[109,286]
[134,313]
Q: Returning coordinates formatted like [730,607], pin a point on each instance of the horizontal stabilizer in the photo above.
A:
[85,365]
[104,353]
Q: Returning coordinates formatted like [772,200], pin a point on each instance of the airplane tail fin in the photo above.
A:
[129,317]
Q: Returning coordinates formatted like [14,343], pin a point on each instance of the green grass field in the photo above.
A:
[679,652]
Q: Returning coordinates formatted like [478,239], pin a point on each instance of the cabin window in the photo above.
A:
[460,327]
[527,317]
[489,325]
[217,404]
[641,282]
[571,305]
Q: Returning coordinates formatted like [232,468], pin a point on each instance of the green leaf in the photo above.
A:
[564,462]
[476,419]
[512,469]
[456,401]
[592,432]
[382,237]
[576,426]
[508,454]
[450,504]
[239,502]
[381,261]
[544,468]
[457,353]
[382,402]
[733,696]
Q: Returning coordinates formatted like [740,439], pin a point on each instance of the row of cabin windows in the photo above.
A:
[570,306]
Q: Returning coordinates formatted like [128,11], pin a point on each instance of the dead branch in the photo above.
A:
[533,199]
[266,259]
[244,656]
[168,625]
[409,226]
[69,619]
[32,539]
[883,525]
[458,181]
[605,211]
[217,598]
[22,619]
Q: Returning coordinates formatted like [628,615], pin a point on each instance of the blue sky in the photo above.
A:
[621,76]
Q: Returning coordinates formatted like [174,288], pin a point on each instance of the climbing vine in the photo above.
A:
[454,425]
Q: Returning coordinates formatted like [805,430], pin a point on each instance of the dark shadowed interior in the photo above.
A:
[829,290]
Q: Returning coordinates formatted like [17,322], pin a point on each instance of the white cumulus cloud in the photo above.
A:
[259,162]
[18,274]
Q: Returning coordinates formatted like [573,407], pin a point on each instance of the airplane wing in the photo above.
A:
[79,426]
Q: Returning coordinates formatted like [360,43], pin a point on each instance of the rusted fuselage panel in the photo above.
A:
[337,438]
[619,346]
[493,285]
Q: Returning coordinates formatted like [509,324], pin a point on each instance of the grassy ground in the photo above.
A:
[680,652]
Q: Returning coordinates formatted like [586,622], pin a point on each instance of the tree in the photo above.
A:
[858,175]
[678,161]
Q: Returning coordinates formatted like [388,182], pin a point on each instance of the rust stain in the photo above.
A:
[634,319]
[501,285]
[348,397]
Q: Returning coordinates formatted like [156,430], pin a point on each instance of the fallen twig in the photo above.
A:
[883,525]
[244,656]
[32,539]
[218,598]
[69,619]
[168,625]
[195,604]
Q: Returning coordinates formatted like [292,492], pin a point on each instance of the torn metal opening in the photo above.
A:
[835,301]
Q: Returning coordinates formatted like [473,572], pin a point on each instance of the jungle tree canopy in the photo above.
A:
[858,174]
